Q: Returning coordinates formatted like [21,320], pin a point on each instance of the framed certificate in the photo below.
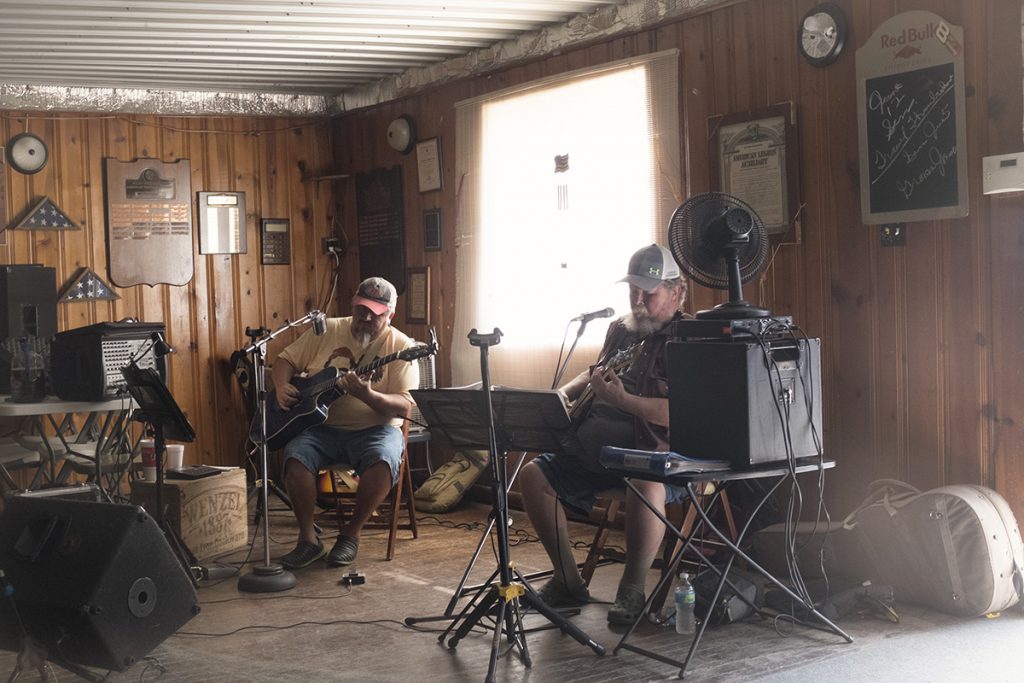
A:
[428,163]
[755,155]
[417,295]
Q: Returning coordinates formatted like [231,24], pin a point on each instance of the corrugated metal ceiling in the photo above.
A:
[306,47]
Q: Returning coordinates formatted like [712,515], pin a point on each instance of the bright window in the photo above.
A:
[565,181]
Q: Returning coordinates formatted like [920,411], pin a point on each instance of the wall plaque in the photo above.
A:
[912,121]
[149,221]
[754,157]
[379,208]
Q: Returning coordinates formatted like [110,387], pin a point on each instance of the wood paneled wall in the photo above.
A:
[267,159]
[922,343]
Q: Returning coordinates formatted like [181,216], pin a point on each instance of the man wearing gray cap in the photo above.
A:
[363,427]
[622,401]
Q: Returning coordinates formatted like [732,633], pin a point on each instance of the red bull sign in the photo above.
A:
[911,121]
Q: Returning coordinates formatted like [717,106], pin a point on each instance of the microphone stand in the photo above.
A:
[565,364]
[268,577]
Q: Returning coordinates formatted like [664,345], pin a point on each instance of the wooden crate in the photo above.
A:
[209,514]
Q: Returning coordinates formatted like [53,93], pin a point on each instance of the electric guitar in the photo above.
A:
[618,364]
[316,393]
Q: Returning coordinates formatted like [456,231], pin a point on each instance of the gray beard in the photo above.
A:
[639,321]
[363,340]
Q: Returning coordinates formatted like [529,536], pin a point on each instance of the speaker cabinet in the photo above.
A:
[96,583]
[28,301]
[726,402]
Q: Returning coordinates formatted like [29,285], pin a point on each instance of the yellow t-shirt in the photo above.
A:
[311,354]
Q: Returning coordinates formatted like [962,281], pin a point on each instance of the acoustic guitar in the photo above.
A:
[618,364]
[316,393]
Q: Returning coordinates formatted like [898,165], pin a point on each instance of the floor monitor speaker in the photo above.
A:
[745,402]
[95,583]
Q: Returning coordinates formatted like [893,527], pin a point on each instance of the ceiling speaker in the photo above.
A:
[27,153]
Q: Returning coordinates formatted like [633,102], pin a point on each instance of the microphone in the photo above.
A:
[319,322]
[160,346]
[587,317]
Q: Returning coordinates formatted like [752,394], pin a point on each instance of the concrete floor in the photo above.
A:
[322,630]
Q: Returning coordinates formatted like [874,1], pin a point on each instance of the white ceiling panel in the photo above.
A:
[306,47]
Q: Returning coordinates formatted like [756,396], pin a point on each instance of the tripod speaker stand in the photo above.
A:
[526,421]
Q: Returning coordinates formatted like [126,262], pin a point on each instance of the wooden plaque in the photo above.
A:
[149,222]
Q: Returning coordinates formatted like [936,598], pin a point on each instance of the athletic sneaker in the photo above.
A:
[556,594]
[629,602]
[303,555]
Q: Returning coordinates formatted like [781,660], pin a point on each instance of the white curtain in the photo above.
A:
[540,239]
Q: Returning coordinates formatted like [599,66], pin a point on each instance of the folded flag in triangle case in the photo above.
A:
[46,215]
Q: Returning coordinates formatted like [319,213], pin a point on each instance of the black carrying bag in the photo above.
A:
[741,596]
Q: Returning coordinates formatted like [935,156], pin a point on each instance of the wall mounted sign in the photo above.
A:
[46,215]
[432,230]
[86,286]
[418,296]
[428,164]
[222,223]
[149,221]
[912,122]
[754,158]
[381,226]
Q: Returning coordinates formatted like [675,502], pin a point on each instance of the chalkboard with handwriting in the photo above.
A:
[912,121]
[912,141]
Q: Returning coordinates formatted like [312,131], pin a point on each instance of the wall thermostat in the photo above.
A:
[1002,173]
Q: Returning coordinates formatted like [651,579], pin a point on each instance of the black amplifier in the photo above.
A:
[772,327]
[744,402]
[86,362]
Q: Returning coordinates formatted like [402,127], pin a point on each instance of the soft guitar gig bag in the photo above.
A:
[956,549]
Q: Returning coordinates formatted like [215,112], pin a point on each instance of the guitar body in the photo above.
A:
[316,395]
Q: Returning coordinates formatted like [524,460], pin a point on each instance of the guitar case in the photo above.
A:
[449,482]
[956,549]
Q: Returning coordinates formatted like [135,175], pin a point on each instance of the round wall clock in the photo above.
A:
[822,34]
[402,134]
[27,153]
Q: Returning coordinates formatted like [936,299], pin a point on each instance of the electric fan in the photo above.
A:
[720,242]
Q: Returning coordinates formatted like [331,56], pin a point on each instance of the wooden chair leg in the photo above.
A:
[396,497]
[596,552]
[410,505]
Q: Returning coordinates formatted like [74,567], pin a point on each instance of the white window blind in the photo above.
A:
[559,182]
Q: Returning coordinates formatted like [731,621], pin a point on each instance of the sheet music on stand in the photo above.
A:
[525,419]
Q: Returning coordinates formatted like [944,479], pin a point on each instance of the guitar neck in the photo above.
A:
[321,387]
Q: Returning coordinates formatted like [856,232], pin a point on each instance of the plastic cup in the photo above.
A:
[175,456]
[148,451]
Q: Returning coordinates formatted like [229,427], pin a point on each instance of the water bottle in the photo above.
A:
[685,598]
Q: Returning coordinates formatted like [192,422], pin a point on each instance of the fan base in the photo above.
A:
[732,310]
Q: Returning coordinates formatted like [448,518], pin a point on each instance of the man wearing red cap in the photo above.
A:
[363,427]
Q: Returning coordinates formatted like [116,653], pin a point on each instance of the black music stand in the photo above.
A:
[160,411]
[501,420]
